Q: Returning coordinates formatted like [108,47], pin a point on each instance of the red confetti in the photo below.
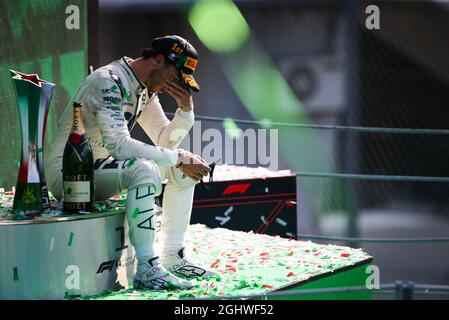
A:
[234,260]
[290,253]
[345,255]
[231,268]
[307,250]
[267,286]
[264,254]
[215,263]
[291,274]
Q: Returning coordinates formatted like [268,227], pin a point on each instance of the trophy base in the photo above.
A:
[28,200]
[23,215]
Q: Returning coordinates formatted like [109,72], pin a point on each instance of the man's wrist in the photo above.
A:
[185,109]
[185,115]
[179,160]
[186,106]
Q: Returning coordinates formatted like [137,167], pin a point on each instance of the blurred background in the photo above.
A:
[315,62]
[319,66]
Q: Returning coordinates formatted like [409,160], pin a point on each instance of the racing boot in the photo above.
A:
[152,275]
[180,266]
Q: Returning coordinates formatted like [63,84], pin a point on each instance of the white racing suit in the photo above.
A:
[113,100]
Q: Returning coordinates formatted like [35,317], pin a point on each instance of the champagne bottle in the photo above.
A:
[77,168]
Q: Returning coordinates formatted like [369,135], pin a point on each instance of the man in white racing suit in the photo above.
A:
[114,98]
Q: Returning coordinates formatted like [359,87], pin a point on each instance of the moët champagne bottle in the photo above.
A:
[77,168]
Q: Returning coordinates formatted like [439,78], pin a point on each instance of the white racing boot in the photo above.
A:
[152,275]
[177,264]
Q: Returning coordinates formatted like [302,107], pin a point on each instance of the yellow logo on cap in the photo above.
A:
[190,81]
[191,63]
[177,49]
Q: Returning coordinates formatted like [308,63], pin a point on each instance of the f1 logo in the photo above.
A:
[236,188]
[108,265]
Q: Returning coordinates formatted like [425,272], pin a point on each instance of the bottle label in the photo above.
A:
[76,191]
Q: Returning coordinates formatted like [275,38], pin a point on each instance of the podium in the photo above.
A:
[89,257]
[259,266]
[64,256]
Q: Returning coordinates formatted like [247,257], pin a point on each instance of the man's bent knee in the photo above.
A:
[142,172]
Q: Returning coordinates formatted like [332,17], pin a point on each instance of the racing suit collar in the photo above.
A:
[136,84]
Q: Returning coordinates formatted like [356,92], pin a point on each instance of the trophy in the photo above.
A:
[33,99]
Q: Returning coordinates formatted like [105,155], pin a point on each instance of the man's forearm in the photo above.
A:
[164,133]
[172,135]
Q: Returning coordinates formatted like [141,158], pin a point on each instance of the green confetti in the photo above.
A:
[242,284]
[135,213]
[69,296]
[131,162]
[70,239]
[252,277]
[186,295]
[39,150]
[16,274]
